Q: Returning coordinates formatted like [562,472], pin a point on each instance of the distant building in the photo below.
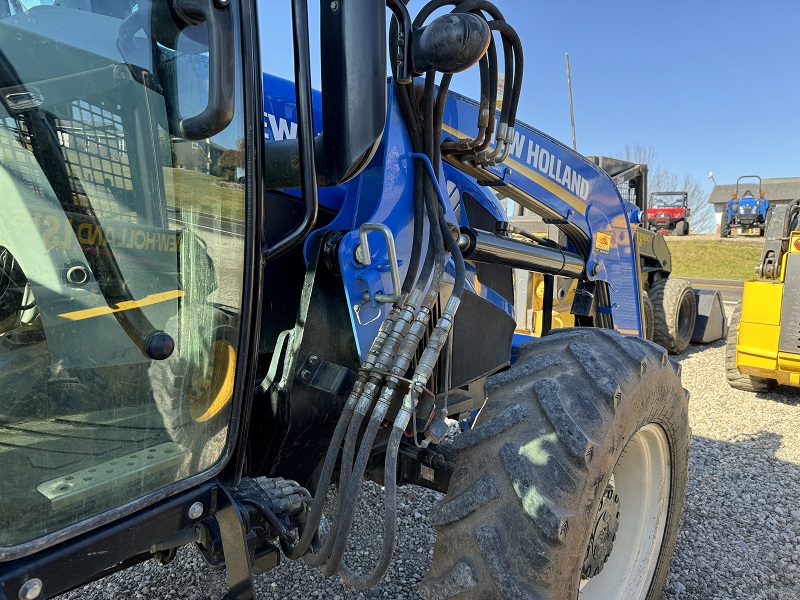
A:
[778,190]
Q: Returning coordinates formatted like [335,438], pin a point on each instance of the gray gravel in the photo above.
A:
[740,535]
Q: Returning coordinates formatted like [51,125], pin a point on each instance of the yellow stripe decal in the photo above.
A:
[545,182]
[88,313]
[628,331]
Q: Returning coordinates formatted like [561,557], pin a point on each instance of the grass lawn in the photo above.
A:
[716,260]
[196,191]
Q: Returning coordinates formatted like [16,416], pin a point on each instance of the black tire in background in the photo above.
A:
[647,317]
[737,380]
[725,228]
[674,313]
[529,511]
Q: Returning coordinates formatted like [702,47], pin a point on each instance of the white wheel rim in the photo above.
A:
[642,480]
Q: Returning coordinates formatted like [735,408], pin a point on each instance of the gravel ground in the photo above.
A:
[740,535]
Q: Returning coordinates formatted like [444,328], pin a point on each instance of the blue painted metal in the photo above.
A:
[546,175]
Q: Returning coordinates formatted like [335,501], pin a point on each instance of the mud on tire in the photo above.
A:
[530,476]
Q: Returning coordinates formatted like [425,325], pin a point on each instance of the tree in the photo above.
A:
[660,179]
[231,160]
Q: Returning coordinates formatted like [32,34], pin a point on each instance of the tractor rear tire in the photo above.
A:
[674,313]
[587,432]
[725,229]
[647,317]
[737,380]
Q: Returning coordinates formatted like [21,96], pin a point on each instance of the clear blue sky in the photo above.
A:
[710,85]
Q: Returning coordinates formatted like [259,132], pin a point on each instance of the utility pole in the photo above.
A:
[571,109]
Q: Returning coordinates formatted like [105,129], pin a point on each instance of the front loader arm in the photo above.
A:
[566,190]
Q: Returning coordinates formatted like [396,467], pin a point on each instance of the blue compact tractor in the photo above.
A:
[745,211]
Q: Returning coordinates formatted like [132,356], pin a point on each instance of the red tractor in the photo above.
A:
[668,213]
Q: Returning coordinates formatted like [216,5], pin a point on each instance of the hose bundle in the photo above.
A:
[384,372]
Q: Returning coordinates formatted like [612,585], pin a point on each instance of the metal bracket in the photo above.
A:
[776,243]
[362,255]
[327,376]
[234,545]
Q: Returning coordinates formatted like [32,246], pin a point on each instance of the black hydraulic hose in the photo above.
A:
[350,497]
[342,425]
[350,479]
[491,55]
[509,33]
[317,505]
[458,259]
[438,118]
[464,6]
[370,579]
[413,127]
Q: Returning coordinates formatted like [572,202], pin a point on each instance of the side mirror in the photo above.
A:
[354,97]
[353,33]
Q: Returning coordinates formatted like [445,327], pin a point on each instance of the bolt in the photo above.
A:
[595,269]
[305,375]
[294,161]
[335,6]
[196,510]
[30,589]
[313,360]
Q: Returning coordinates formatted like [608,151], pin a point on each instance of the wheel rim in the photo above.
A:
[642,480]
[213,388]
[685,316]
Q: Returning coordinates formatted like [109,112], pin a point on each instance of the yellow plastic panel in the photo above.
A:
[757,346]
[761,303]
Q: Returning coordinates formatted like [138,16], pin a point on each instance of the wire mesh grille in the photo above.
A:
[95,153]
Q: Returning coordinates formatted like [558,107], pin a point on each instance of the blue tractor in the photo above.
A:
[746,212]
[222,292]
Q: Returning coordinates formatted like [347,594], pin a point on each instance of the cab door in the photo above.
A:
[126,267]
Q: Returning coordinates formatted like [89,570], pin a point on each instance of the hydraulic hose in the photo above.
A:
[397,344]
[318,503]
[350,497]
[370,579]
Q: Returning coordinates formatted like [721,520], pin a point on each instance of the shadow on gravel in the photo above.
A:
[696,349]
[783,394]
[740,536]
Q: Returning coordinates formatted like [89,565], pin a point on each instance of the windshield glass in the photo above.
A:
[121,242]
[666,201]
